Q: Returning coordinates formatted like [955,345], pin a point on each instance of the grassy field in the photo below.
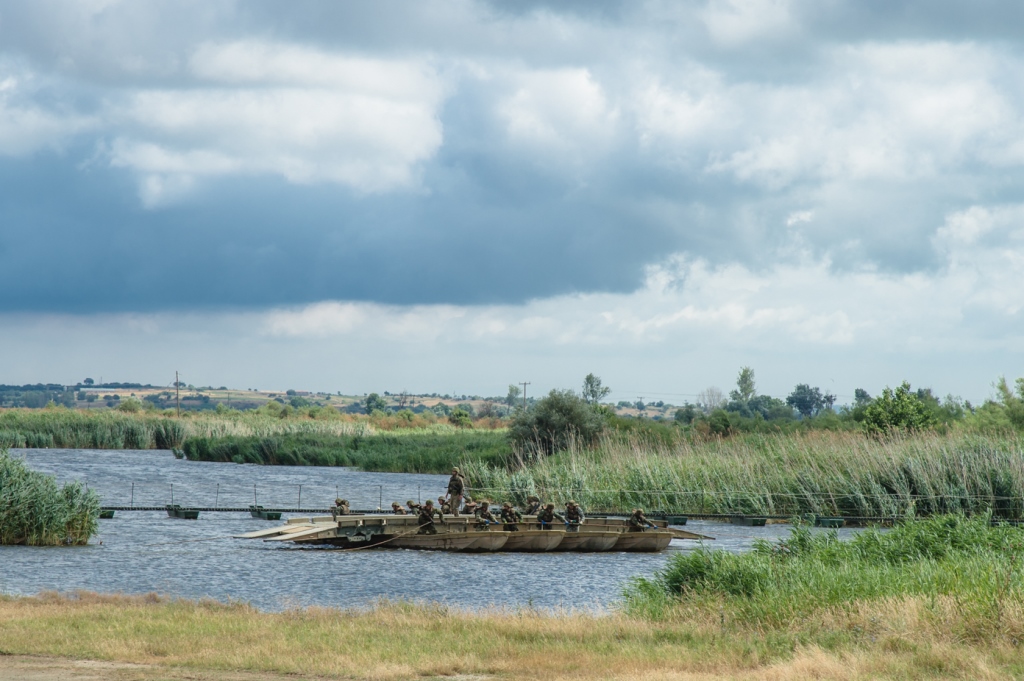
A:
[896,638]
[830,473]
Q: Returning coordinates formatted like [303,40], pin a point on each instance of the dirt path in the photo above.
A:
[26,668]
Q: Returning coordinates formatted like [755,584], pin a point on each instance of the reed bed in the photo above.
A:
[36,512]
[68,429]
[821,472]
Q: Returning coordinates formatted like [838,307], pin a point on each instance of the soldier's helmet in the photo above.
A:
[410,503]
[531,498]
[550,507]
[395,504]
[455,470]
[639,510]
[337,502]
[441,499]
[570,503]
[428,502]
[506,505]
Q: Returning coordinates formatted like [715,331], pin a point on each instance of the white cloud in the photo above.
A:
[802,303]
[558,112]
[26,125]
[734,22]
[305,115]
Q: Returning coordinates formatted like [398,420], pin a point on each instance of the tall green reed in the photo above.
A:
[35,511]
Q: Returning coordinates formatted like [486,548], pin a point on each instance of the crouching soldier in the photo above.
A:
[426,517]
[638,522]
[397,509]
[444,505]
[573,516]
[485,516]
[340,508]
[546,517]
[511,517]
[414,508]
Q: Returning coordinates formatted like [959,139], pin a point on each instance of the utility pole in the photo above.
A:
[177,393]
[524,384]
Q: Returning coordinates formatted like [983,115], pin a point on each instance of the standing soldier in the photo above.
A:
[638,522]
[511,517]
[397,509]
[456,488]
[574,516]
[533,505]
[426,517]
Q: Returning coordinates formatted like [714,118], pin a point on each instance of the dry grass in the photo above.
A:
[899,638]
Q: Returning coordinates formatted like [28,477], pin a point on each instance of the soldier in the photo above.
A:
[426,517]
[574,516]
[638,522]
[456,487]
[444,505]
[340,508]
[485,514]
[546,517]
[413,506]
[470,507]
[397,509]
[511,517]
[533,506]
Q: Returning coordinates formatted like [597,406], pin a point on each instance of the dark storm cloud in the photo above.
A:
[152,159]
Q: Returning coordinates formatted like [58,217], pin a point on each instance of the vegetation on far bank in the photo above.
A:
[36,512]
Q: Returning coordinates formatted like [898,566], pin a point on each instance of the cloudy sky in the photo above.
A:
[454,196]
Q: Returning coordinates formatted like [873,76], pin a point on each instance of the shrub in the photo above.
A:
[35,511]
[554,422]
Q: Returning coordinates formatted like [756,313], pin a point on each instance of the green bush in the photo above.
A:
[554,423]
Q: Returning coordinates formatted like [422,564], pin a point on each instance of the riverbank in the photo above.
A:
[906,638]
[820,472]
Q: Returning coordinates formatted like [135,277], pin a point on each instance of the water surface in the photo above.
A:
[145,551]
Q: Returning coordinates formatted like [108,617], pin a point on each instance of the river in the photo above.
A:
[145,551]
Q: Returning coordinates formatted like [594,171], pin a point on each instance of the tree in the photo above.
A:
[686,414]
[805,399]
[593,391]
[710,398]
[745,390]
[460,417]
[88,381]
[861,398]
[554,422]
[1012,403]
[897,409]
[513,395]
[374,402]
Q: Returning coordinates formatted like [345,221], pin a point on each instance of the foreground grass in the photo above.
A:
[829,473]
[896,638]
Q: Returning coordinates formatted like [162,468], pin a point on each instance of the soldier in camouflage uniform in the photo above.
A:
[546,517]
[340,508]
[638,522]
[426,517]
[397,509]
[413,506]
[456,488]
[485,515]
[444,505]
[511,517]
[574,516]
[533,506]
